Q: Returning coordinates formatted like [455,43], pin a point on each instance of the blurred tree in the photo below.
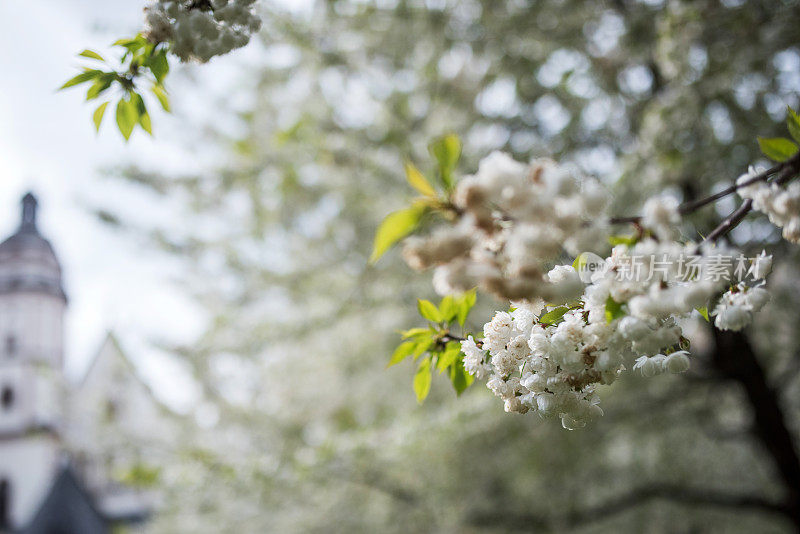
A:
[305,431]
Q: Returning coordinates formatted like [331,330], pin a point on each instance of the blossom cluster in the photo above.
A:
[780,203]
[554,368]
[736,307]
[201,30]
[515,219]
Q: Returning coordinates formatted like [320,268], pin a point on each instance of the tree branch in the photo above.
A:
[628,501]
[790,166]
[732,221]
[734,359]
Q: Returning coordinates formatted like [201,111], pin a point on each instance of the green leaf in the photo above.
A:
[101,84]
[138,102]
[447,151]
[628,240]
[162,97]
[449,356]
[459,377]
[402,351]
[777,148]
[292,133]
[159,65]
[418,181]
[145,123]
[448,308]
[127,117]
[703,313]
[132,45]
[422,380]
[422,346]
[793,122]
[429,310]
[395,227]
[465,304]
[97,116]
[140,475]
[141,110]
[123,42]
[83,77]
[613,310]
[554,316]
[412,332]
[91,54]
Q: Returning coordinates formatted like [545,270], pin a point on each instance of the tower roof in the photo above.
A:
[68,508]
[27,260]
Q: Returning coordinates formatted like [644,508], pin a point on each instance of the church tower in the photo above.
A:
[32,306]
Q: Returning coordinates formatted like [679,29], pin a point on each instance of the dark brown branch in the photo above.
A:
[201,5]
[732,359]
[694,205]
[381,483]
[732,221]
[792,166]
[735,360]
[625,220]
[628,501]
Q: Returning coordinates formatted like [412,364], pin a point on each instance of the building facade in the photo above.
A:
[94,429]
[32,388]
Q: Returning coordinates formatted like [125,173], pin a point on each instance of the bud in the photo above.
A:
[761,266]
[545,404]
[634,328]
[677,362]
[650,366]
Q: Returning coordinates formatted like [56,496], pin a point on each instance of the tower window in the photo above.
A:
[5,504]
[7,398]
[11,345]
[111,409]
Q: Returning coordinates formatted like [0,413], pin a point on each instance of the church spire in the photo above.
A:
[29,204]
[27,259]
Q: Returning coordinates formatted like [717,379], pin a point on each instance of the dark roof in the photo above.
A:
[27,241]
[68,509]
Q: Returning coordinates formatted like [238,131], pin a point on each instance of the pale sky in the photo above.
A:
[48,145]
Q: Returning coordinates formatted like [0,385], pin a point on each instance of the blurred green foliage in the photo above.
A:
[315,434]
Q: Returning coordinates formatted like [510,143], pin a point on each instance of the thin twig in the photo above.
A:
[732,221]
[694,205]
[691,206]
[625,220]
